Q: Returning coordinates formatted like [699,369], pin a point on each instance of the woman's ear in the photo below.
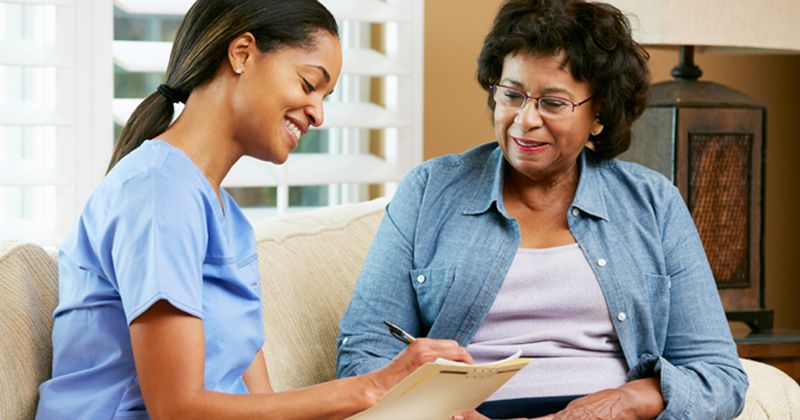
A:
[241,51]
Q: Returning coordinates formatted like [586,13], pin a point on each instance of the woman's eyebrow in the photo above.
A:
[552,90]
[324,71]
[545,91]
[513,83]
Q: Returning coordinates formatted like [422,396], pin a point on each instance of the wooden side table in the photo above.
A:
[778,347]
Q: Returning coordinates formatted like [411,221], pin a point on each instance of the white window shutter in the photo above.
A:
[54,123]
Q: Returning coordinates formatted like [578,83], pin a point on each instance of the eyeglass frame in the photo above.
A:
[527,98]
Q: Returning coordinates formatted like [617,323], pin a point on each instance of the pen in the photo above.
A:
[398,333]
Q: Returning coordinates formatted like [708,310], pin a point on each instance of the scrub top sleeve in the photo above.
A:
[157,241]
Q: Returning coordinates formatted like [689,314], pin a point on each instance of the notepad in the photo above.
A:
[439,390]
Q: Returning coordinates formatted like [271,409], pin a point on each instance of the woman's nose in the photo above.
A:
[528,116]
[316,113]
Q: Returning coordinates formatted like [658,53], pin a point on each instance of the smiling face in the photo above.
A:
[539,148]
[279,94]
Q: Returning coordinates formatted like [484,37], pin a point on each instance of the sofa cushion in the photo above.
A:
[309,264]
[28,296]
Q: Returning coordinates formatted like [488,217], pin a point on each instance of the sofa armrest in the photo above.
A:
[772,394]
[28,295]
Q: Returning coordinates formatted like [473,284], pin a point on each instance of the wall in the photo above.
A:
[456,118]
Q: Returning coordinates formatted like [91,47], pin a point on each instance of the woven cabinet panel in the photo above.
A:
[719,200]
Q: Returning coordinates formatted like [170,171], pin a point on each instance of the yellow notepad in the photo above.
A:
[439,390]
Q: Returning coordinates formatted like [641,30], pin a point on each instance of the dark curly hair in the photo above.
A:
[598,48]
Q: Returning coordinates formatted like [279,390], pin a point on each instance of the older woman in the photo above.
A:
[542,241]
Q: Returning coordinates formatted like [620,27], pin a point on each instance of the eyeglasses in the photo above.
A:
[548,106]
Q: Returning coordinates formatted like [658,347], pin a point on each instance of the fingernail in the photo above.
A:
[458,417]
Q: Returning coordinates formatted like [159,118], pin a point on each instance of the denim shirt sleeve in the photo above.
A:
[700,372]
[383,290]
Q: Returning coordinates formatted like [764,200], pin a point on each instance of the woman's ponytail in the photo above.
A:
[151,118]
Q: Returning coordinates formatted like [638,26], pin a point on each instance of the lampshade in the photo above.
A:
[737,25]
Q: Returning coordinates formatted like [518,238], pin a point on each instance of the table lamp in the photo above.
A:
[709,139]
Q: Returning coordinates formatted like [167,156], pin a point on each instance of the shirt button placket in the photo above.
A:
[621,316]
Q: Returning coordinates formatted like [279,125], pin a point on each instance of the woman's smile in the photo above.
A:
[528,145]
[294,131]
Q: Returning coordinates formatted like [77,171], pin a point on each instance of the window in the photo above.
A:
[65,63]
[53,131]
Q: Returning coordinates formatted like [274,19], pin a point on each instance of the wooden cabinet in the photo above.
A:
[779,348]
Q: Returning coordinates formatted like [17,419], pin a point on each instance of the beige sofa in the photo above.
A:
[309,263]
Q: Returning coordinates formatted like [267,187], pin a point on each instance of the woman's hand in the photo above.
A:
[639,399]
[470,415]
[419,352]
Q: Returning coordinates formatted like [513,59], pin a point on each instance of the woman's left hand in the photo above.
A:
[639,399]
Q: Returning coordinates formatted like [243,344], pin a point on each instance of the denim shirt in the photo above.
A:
[446,243]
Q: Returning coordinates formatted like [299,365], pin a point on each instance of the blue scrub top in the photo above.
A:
[153,229]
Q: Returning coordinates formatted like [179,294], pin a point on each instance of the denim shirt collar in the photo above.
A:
[591,193]
[490,187]
[589,197]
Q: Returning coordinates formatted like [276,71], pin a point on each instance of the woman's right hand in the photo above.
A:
[419,352]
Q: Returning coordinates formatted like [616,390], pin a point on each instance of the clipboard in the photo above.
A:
[439,390]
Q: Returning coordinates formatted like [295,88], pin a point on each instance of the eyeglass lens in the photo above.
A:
[547,105]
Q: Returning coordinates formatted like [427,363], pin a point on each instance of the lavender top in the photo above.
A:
[551,307]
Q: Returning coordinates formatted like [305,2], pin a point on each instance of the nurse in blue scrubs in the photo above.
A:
[159,309]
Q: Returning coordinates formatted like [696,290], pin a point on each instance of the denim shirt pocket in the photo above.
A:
[431,286]
[658,286]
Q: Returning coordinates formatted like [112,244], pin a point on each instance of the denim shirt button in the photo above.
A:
[622,317]
[576,212]
[345,340]
[420,279]
[601,262]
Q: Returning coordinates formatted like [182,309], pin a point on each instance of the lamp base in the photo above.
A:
[709,140]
